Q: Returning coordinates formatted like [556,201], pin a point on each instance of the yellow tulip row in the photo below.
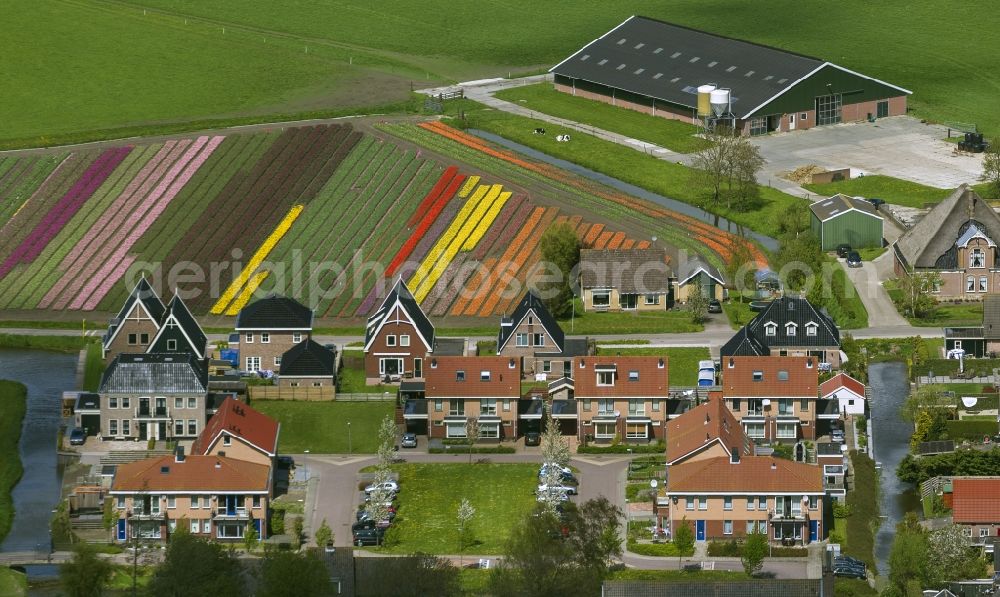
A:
[244,297]
[470,184]
[445,239]
[258,257]
[486,222]
[456,243]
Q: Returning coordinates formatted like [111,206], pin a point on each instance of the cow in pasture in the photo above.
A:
[562,138]
[539,131]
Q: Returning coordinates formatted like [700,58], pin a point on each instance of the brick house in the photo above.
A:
[957,240]
[534,336]
[486,389]
[179,332]
[775,398]
[136,324]
[308,365]
[623,396]
[625,280]
[975,504]
[268,328]
[721,490]
[219,497]
[695,275]
[788,326]
[153,396]
[238,431]
[398,338]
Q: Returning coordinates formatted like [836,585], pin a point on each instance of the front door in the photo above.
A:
[567,369]
[791,122]
[700,533]
[813,530]
[143,432]
[882,109]
[161,430]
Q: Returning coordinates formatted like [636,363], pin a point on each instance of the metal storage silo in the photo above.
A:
[704,100]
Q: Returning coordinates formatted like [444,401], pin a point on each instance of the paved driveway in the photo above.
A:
[899,146]
[868,283]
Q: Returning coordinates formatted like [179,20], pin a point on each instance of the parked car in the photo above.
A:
[843,250]
[77,437]
[564,477]
[849,560]
[564,469]
[363,515]
[368,523]
[409,440]
[565,487]
[849,571]
[532,438]
[837,436]
[363,537]
[390,486]
[877,202]
[562,497]
[286,461]
[714,306]
[853,259]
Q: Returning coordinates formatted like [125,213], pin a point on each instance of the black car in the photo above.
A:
[286,461]
[843,250]
[532,438]
[362,537]
[77,437]
[368,524]
[877,202]
[849,572]
[849,560]
[714,306]
[854,259]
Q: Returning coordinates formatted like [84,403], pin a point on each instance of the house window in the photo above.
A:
[484,376]
[783,375]
[751,503]
[171,345]
[521,339]
[143,338]
[538,340]
[248,339]
[418,367]
[811,329]
[126,427]
[120,503]
[785,406]
[294,384]
[605,378]
[751,526]
[813,502]
[735,405]
[488,406]
[727,527]
[754,430]
[601,298]
[256,501]
[227,440]
[192,427]
[296,338]
[195,526]
[787,431]
[438,405]
[690,504]
[762,502]
[636,408]
[605,406]
[652,299]
[171,502]
[206,526]
[586,404]
[460,376]
[727,502]
[977,258]
[404,340]
[790,329]
[317,384]
[633,376]
[133,339]
[253,363]
[703,503]
[456,407]
[277,361]
[604,430]
[113,427]
[982,284]
[112,402]
[178,427]
[984,532]
[390,366]
[390,340]
[178,403]
[970,284]
[192,402]
[758,376]
[265,338]
[546,366]
[506,404]
[771,329]
[656,406]
[804,404]
[636,430]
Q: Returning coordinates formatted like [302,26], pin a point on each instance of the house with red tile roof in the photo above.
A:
[847,391]
[975,504]
[238,431]
[621,396]
[719,434]
[775,397]
[216,497]
[485,389]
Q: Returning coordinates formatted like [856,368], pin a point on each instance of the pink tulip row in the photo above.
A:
[112,271]
[65,208]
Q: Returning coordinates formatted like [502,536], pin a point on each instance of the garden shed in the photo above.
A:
[846,220]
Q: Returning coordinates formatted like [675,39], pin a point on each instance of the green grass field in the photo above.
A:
[13,405]
[683,362]
[893,190]
[945,314]
[863,501]
[12,583]
[321,427]
[650,322]
[672,134]
[430,494]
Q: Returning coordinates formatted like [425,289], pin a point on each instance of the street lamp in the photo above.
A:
[350,449]
[306,460]
[656,515]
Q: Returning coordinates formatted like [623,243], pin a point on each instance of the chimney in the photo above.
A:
[774,466]
[219,464]
[179,454]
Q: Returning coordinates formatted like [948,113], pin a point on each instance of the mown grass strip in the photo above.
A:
[13,406]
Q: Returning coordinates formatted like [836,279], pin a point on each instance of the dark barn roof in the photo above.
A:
[307,358]
[275,313]
[840,204]
[668,62]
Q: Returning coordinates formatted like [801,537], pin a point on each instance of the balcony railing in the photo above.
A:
[788,515]
[232,513]
[158,412]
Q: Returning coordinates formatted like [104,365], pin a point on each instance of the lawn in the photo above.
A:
[12,583]
[671,134]
[893,190]
[682,362]
[13,405]
[634,322]
[93,367]
[945,315]
[59,343]
[863,501]
[871,253]
[738,312]
[853,587]
[352,378]
[430,494]
[321,427]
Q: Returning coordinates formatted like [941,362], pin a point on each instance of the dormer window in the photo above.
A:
[790,328]
[758,376]
[633,376]
[977,258]
[605,378]
[460,376]
[770,329]
[811,329]
[484,376]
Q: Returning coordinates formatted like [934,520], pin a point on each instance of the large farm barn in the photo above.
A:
[690,75]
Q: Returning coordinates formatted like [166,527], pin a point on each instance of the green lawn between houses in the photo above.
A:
[430,494]
[893,190]
[671,134]
[12,583]
[863,501]
[321,427]
[628,322]
[945,314]
[682,362]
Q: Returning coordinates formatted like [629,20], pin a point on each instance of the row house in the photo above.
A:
[153,396]
[270,327]
[975,506]
[775,398]
[459,389]
[146,325]
[788,326]
[622,397]
[720,489]
[533,335]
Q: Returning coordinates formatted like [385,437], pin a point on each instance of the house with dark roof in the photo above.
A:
[399,338]
[179,332]
[957,240]
[268,328]
[696,275]
[534,336]
[775,397]
[136,324]
[216,497]
[485,389]
[153,396]
[622,397]
[694,76]
[238,431]
[736,587]
[845,220]
[625,280]
[308,365]
[718,487]
[788,326]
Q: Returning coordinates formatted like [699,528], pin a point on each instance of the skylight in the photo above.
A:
[675,54]
[639,45]
[621,66]
[584,57]
[730,69]
[695,59]
[749,73]
[621,41]
[657,75]
[675,79]
[639,71]
[603,62]
[657,50]
[712,63]
[769,77]
[781,81]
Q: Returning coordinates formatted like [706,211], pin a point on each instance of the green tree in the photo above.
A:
[466,512]
[293,574]
[924,397]
[799,259]
[754,553]
[991,169]
[559,247]
[297,531]
[953,557]
[915,289]
[323,534]
[109,518]
[191,561]
[742,267]
[908,558]
[86,574]
[683,538]
[250,538]
[697,304]
[415,575]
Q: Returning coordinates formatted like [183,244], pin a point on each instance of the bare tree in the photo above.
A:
[728,169]
[991,168]
[916,290]
[555,456]
[466,512]
[471,434]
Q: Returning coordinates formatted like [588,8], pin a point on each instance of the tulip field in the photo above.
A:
[328,214]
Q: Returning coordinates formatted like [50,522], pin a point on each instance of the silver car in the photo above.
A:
[409,440]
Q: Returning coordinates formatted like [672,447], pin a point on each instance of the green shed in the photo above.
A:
[842,219]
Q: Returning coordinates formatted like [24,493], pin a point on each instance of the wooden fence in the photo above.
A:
[310,394]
